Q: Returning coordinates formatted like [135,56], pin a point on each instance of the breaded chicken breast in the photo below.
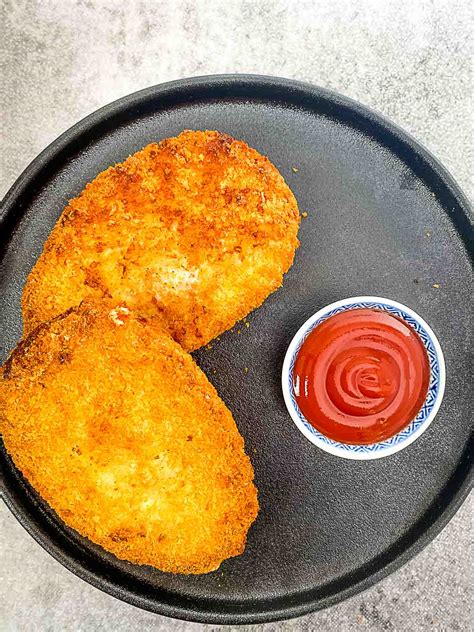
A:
[123,435]
[198,229]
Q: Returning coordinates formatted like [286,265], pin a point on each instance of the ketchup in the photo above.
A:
[361,376]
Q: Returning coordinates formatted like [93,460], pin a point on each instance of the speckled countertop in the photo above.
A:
[410,60]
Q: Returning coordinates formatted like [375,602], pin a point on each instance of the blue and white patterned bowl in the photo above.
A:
[416,427]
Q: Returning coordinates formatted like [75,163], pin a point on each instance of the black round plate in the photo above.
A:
[385,219]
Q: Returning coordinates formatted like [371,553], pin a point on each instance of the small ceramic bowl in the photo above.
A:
[416,427]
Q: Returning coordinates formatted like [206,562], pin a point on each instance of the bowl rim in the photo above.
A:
[333,448]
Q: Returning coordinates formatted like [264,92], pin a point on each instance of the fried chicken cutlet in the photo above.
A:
[199,229]
[123,435]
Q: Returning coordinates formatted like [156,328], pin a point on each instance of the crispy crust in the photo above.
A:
[199,229]
[123,435]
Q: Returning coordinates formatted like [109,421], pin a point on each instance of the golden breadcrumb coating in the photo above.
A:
[199,228]
[123,435]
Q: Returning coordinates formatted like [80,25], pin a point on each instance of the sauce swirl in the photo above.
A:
[361,376]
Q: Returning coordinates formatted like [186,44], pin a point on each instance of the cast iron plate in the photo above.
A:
[384,219]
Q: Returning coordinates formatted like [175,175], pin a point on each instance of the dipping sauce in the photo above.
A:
[361,376]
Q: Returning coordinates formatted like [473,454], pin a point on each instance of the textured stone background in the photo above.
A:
[411,60]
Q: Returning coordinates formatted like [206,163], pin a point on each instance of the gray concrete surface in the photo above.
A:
[410,60]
